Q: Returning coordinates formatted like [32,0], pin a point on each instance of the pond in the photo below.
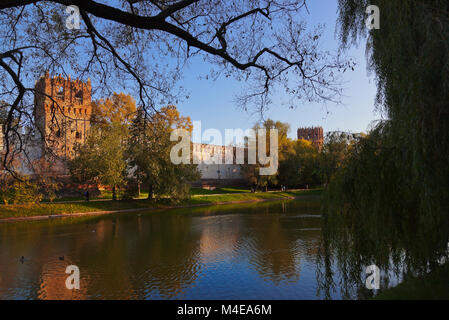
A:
[254,251]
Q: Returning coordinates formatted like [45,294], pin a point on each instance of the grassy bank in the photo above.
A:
[46,209]
[107,195]
[434,285]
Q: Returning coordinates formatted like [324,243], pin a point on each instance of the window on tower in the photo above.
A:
[79,97]
[60,93]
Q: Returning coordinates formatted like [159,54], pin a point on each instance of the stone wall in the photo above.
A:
[216,172]
[313,134]
[2,143]
[63,110]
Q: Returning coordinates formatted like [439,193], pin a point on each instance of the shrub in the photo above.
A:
[18,192]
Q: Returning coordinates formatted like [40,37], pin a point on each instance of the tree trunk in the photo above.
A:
[150,191]
[114,193]
[138,189]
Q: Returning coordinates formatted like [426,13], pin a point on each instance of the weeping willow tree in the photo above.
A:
[389,204]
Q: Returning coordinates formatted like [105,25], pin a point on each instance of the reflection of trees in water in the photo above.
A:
[389,200]
[220,237]
[275,251]
[158,255]
[171,263]
[396,244]
[52,279]
[121,258]
[42,274]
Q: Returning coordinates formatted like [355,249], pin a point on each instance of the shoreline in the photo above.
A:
[161,207]
[430,286]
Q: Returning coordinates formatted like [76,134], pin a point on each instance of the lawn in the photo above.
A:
[46,209]
[106,194]
[201,191]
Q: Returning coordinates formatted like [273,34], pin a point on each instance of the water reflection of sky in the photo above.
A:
[263,251]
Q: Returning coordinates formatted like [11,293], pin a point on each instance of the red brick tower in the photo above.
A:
[63,109]
[314,134]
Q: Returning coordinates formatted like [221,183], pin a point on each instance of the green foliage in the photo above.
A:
[124,156]
[46,180]
[48,187]
[102,158]
[251,171]
[334,152]
[389,205]
[46,209]
[298,161]
[149,154]
[299,164]
[20,192]
[431,286]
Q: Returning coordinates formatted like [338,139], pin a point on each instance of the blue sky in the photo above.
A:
[212,102]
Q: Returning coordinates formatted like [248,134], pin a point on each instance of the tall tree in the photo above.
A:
[390,203]
[298,164]
[149,154]
[102,159]
[252,171]
[334,152]
[143,45]
[120,108]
